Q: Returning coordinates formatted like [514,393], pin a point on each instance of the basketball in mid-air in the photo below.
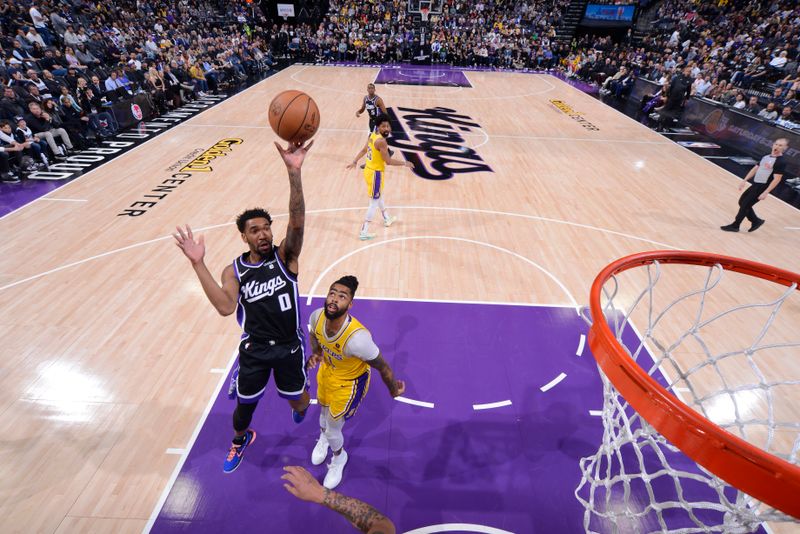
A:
[294,116]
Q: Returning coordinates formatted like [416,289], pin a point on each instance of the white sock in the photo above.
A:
[382,206]
[373,205]
[333,431]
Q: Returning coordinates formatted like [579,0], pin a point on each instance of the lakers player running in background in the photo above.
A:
[374,106]
[261,287]
[345,351]
[377,151]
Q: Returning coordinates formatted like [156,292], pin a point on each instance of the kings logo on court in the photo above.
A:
[433,140]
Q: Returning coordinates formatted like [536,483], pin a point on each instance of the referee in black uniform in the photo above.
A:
[766,176]
[261,287]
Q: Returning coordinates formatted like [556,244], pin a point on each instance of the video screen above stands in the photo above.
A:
[608,15]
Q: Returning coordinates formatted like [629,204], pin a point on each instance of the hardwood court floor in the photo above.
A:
[110,351]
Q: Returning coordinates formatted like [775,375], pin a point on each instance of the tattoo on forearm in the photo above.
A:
[297,204]
[297,212]
[362,515]
[383,368]
[388,376]
[315,346]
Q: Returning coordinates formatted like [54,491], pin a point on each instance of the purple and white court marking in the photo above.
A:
[493,450]
[13,196]
[423,75]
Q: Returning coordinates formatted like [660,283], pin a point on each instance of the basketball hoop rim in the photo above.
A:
[758,473]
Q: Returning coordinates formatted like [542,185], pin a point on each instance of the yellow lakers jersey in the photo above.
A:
[334,361]
[374,157]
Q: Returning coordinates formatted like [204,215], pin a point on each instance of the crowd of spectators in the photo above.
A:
[492,33]
[499,34]
[735,49]
[742,53]
[66,63]
[364,32]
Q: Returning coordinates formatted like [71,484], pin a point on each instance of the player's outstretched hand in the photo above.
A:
[294,154]
[742,185]
[194,250]
[399,388]
[351,166]
[313,361]
[302,484]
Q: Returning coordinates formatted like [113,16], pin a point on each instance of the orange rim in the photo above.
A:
[752,470]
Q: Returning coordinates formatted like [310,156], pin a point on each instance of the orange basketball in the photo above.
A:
[294,116]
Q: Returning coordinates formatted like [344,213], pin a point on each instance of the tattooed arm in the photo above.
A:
[396,387]
[364,517]
[289,249]
[316,349]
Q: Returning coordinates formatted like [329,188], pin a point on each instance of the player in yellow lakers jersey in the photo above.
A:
[377,151]
[345,352]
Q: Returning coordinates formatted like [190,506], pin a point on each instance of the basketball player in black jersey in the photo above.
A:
[261,287]
[374,106]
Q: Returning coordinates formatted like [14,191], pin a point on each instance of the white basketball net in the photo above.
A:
[639,482]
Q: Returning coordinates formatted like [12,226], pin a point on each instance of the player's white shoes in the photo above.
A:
[335,470]
[320,451]
[388,221]
[364,236]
